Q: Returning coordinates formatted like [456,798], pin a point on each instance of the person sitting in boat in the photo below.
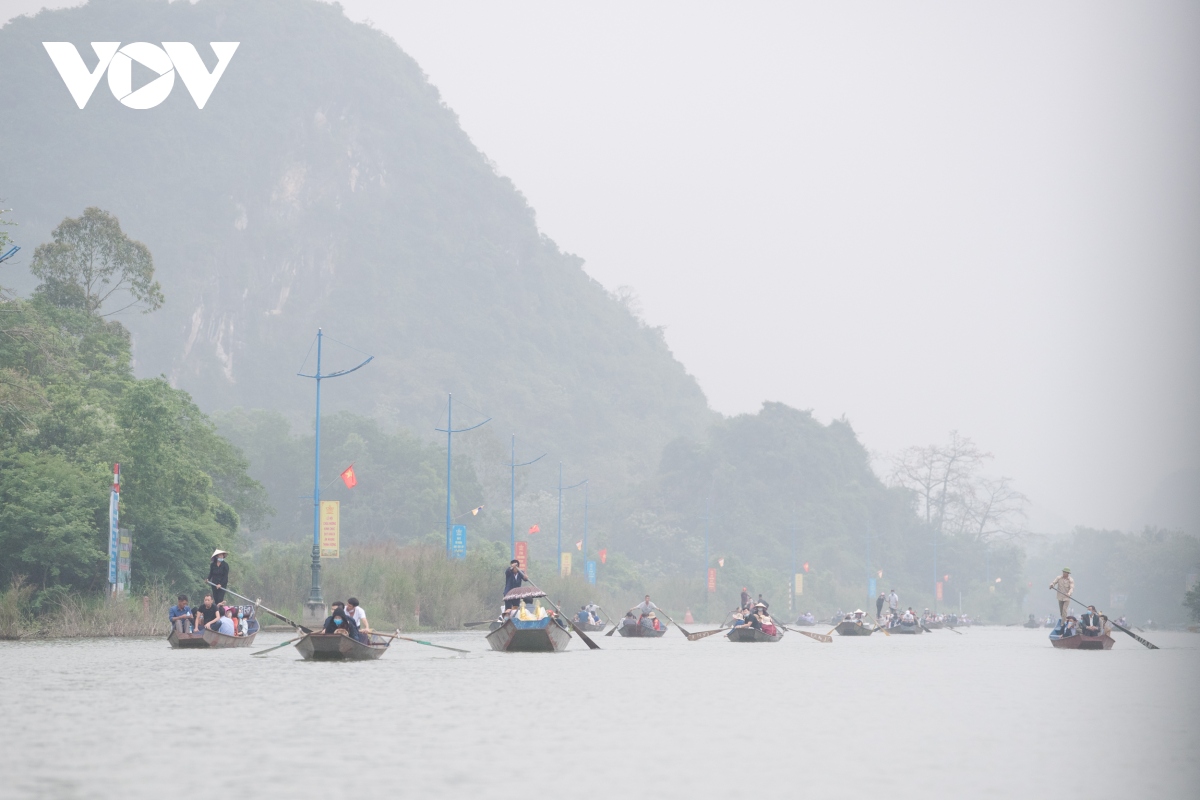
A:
[807,618]
[593,611]
[205,613]
[1091,623]
[513,578]
[629,619]
[908,617]
[181,615]
[1070,626]
[756,616]
[341,623]
[768,624]
[1124,623]
[224,624]
[357,613]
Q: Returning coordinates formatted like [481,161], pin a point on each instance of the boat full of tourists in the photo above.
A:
[527,629]
[244,625]
[855,624]
[1068,635]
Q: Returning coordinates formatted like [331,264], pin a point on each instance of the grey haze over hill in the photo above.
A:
[326,184]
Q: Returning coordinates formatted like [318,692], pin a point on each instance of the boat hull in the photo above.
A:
[186,641]
[848,628]
[529,636]
[641,631]
[905,629]
[590,627]
[748,634]
[1081,642]
[336,647]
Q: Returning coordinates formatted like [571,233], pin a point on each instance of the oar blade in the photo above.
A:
[1135,636]
[693,637]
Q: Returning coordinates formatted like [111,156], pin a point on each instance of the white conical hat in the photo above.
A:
[219,553]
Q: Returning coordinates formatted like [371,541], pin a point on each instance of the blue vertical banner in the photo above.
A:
[114,533]
[590,568]
[458,541]
[871,589]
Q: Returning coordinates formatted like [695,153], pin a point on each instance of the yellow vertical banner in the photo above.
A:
[799,584]
[331,532]
[564,569]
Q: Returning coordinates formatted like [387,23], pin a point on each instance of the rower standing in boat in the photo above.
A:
[879,601]
[745,599]
[513,578]
[646,610]
[894,602]
[1064,585]
[218,574]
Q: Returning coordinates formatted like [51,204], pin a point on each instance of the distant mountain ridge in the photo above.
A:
[326,184]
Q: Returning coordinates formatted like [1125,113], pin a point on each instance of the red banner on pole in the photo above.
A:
[939,590]
[522,555]
[712,579]
[604,556]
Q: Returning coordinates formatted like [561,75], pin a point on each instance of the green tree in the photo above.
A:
[1192,601]
[92,260]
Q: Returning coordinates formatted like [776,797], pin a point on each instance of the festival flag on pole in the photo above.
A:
[604,556]
[475,511]
[534,529]
[579,545]
[720,562]
[348,477]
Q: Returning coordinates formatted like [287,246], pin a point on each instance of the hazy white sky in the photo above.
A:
[924,216]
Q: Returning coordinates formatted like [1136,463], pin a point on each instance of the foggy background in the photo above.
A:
[924,217]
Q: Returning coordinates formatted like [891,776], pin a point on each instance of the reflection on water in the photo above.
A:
[993,713]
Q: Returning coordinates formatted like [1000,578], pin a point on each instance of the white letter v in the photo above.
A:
[80,83]
[196,76]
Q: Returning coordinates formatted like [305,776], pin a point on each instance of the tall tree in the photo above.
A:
[91,261]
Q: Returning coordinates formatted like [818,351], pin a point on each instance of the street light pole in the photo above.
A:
[560,491]
[449,431]
[512,464]
[316,604]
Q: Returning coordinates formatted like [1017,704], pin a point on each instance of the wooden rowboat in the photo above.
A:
[1081,642]
[906,627]
[849,627]
[745,633]
[639,630]
[529,636]
[206,638]
[338,647]
[933,626]
[589,627]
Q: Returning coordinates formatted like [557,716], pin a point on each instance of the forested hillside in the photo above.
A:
[326,184]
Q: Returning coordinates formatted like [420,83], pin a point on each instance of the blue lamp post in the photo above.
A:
[450,431]
[316,604]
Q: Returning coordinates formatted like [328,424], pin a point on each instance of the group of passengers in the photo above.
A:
[1090,623]
[349,619]
[588,615]
[219,618]
[756,617]
[643,614]
[806,618]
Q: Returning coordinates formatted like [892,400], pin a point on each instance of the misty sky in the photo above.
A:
[923,216]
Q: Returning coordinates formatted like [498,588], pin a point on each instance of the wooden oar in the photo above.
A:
[285,644]
[586,639]
[264,608]
[1124,629]
[673,622]
[692,637]
[477,624]
[952,630]
[397,635]
[820,637]
[879,627]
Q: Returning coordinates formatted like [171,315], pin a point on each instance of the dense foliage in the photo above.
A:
[69,408]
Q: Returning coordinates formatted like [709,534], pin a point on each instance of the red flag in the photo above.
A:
[534,529]
[348,477]
[806,566]
[604,556]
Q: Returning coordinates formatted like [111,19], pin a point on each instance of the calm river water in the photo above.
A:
[995,712]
